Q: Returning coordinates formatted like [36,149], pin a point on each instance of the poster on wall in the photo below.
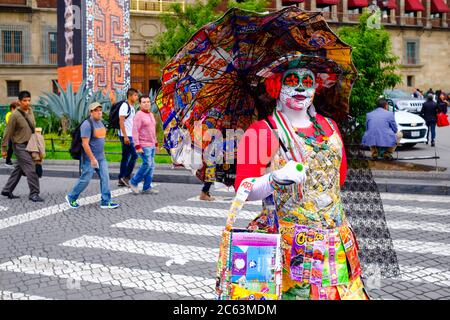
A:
[70,42]
[107,44]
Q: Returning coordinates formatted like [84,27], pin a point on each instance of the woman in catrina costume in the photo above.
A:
[300,178]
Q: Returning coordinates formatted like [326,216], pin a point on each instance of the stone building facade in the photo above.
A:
[419,32]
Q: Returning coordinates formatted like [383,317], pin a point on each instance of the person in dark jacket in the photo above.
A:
[429,113]
[442,103]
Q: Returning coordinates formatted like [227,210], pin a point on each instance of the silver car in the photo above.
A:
[403,101]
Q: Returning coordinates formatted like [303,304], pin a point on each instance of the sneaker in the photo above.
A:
[125,181]
[121,184]
[133,188]
[150,191]
[72,203]
[9,164]
[110,205]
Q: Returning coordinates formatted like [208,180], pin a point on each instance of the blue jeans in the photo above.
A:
[431,127]
[86,175]
[145,171]
[129,158]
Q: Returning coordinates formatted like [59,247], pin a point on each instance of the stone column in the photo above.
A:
[392,18]
[444,17]
[334,12]
[402,12]
[427,15]
[278,4]
[313,5]
[345,11]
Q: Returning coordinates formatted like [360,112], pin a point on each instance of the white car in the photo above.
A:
[412,126]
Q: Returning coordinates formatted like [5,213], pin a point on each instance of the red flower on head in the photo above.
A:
[273,85]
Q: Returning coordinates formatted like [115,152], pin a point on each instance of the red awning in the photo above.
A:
[323,3]
[290,2]
[387,4]
[414,5]
[438,6]
[358,3]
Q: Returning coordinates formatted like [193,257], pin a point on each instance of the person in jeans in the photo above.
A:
[429,113]
[144,136]
[205,195]
[20,127]
[129,155]
[12,107]
[93,134]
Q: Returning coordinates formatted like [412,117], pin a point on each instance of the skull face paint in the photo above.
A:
[297,89]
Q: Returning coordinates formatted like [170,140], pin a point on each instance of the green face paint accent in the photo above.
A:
[299,167]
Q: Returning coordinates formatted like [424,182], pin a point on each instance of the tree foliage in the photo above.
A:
[181,25]
[375,63]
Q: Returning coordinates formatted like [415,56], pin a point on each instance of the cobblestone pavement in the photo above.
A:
[165,246]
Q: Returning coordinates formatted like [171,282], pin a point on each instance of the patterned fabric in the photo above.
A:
[108,45]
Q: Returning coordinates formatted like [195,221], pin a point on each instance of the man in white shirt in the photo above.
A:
[129,155]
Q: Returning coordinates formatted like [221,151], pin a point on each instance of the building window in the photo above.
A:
[12,88]
[55,86]
[52,48]
[410,81]
[412,52]
[12,42]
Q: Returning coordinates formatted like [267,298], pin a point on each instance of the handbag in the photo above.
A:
[249,265]
[442,120]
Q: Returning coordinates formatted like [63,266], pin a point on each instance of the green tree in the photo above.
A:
[375,63]
[182,25]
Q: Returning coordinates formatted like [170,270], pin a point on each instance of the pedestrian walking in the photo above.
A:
[93,134]
[129,155]
[144,137]
[381,131]
[20,127]
[205,195]
[442,103]
[9,153]
[429,113]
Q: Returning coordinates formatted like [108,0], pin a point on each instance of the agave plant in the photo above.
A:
[72,107]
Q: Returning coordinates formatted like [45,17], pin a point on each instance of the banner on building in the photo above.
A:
[70,43]
[107,66]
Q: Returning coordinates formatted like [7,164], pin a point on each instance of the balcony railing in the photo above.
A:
[155,6]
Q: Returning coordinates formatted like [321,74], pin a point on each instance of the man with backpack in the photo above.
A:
[92,133]
[129,155]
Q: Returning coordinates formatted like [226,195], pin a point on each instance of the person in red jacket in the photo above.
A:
[298,160]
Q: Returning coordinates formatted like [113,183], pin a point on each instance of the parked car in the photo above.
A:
[403,100]
[411,125]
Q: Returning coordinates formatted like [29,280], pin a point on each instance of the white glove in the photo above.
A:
[292,172]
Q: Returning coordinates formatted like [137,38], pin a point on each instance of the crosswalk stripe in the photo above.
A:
[205,212]
[414,197]
[416,210]
[167,226]
[224,199]
[8,295]
[414,225]
[157,249]
[420,247]
[45,212]
[162,282]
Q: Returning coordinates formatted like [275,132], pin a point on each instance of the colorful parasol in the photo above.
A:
[216,78]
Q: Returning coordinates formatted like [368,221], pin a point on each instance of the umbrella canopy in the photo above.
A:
[215,78]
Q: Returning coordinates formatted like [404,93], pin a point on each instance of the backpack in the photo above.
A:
[76,146]
[113,122]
